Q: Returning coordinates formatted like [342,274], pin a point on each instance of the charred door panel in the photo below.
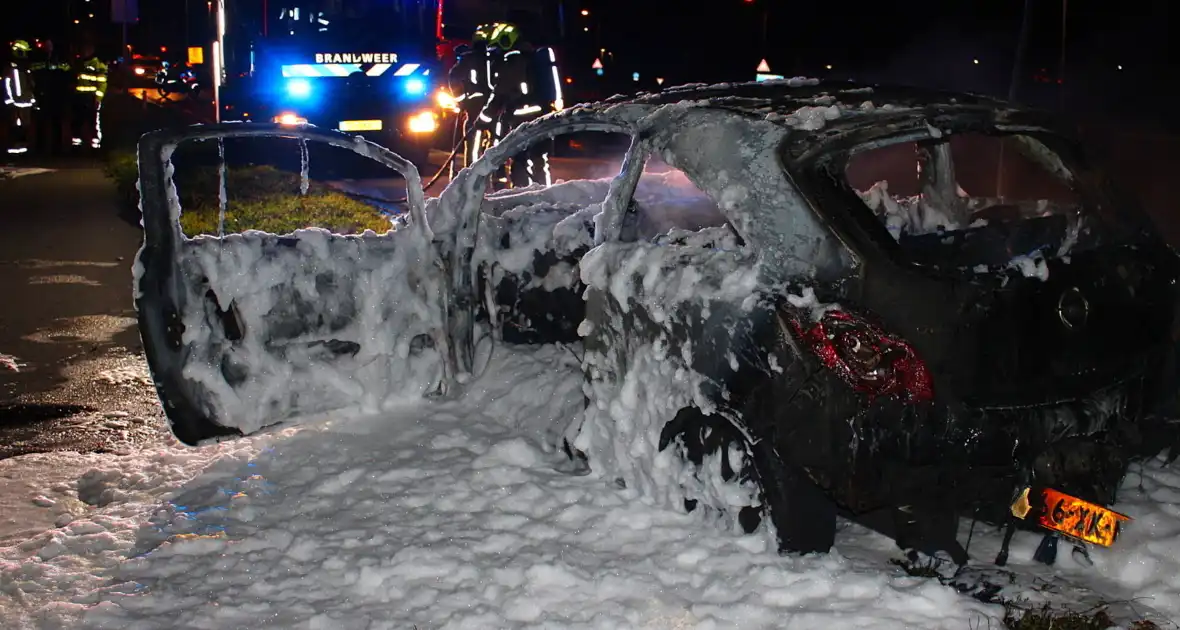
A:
[530,267]
[249,330]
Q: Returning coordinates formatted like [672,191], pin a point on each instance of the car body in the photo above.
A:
[784,355]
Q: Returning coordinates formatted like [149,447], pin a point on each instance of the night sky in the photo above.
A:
[926,42]
[806,36]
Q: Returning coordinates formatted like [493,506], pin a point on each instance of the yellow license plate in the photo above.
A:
[1070,516]
[360,125]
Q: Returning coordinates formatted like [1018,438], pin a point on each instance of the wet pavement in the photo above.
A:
[72,374]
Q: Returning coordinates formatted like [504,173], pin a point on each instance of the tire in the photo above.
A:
[698,436]
[804,518]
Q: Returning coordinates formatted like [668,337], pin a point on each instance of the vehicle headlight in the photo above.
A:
[423,122]
[290,119]
[140,71]
[445,101]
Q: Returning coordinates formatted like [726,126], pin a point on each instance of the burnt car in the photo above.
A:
[902,306]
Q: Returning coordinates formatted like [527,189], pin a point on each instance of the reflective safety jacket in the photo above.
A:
[470,79]
[18,87]
[526,85]
[92,78]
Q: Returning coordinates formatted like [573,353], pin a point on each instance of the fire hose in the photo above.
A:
[432,181]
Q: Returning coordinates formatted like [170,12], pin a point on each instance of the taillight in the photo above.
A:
[872,361]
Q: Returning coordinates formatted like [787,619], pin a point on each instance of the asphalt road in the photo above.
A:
[71,370]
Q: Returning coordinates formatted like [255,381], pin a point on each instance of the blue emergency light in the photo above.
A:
[414,86]
[299,88]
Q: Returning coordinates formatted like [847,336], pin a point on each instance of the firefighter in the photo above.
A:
[19,99]
[54,91]
[524,87]
[90,86]
[470,81]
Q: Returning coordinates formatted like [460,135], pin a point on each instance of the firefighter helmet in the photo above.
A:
[504,36]
[21,48]
[483,33]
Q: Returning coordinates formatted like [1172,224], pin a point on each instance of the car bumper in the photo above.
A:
[945,455]
[404,133]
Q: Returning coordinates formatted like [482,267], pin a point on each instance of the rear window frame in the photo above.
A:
[815,160]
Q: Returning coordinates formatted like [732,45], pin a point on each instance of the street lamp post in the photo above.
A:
[765,26]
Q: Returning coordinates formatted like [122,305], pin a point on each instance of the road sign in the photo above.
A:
[659,80]
[196,55]
[763,67]
[597,65]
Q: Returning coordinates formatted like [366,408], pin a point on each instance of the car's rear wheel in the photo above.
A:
[804,518]
[713,446]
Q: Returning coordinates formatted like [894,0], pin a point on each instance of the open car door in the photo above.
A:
[251,330]
[462,215]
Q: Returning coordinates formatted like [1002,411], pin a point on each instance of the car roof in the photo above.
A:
[859,104]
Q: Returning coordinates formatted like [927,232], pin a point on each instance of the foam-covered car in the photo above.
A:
[903,306]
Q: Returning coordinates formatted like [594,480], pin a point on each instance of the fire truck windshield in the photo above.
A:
[358,22]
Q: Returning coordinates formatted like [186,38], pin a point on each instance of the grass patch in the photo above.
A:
[122,167]
[261,198]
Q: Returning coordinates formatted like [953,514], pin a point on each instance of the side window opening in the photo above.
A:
[667,208]
[565,173]
[280,185]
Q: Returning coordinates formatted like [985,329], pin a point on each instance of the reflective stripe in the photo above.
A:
[525,111]
[14,93]
[475,146]
[558,101]
[96,141]
[524,87]
[311,70]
